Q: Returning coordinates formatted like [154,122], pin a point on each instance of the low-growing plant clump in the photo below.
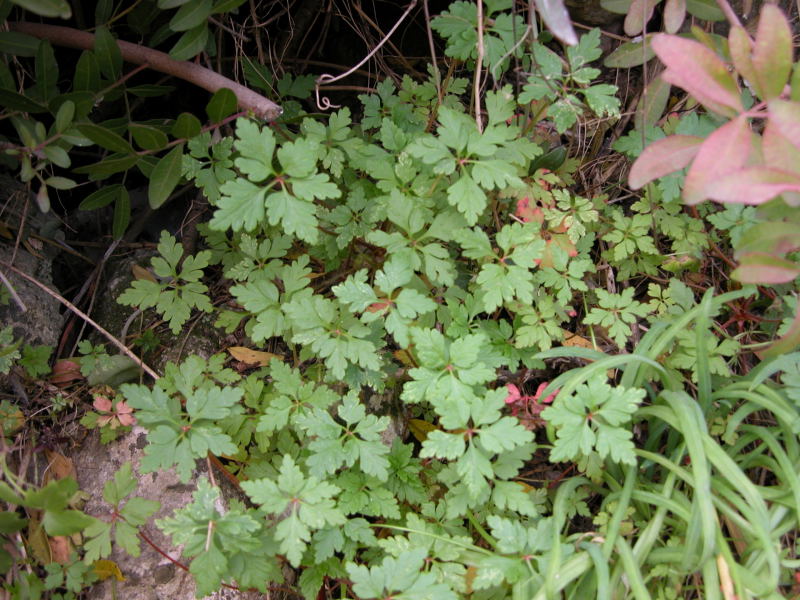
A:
[466,368]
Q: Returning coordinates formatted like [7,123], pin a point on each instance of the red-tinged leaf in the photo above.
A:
[514,394]
[640,12]
[778,150]
[774,237]
[741,48]
[696,69]
[761,267]
[64,372]
[724,151]
[663,157]
[379,306]
[528,213]
[674,15]
[556,17]
[102,403]
[753,185]
[785,114]
[786,344]
[772,54]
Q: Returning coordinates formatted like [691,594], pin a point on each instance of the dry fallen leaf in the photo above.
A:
[65,371]
[574,340]
[142,273]
[420,429]
[252,357]
[59,466]
[107,568]
[404,356]
[60,549]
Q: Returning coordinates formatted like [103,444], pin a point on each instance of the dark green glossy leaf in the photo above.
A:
[191,15]
[109,56]
[46,71]
[630,54]
[6,78]
[103,11]
[105,138]
[165,177]
[148,137]
[165,4]
[707,10]
[150,91]
[191,43]
[46,8]
[58,156]
[146,165]
[102,197]
[122,214]
[223,6]
[64,116]
[550,160]
[186,126]
[87,73]
[83,101]
[18,44]
[114,164]
[222,104]
[15,101]
[60,183]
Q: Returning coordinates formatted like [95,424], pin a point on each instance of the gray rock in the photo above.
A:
[41,323]
[149,576]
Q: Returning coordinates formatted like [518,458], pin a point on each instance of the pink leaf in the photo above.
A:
[639,13]
[674,14]
[102,403]
[514,394]
[662,158]
[786,117]
[724,151]
[778,150]
[753,185]
[700,72]
[761,267]
[772,55]
[549,398]
[557,19]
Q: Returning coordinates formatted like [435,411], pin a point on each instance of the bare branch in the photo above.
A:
[158,61]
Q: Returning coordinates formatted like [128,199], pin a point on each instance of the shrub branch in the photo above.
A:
[159,61]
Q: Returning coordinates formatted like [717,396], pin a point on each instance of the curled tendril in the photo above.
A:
[324,103]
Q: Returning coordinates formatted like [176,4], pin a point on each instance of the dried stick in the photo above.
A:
[478,67]
[85,317]
[200,76]
[13,293]
[436,74]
